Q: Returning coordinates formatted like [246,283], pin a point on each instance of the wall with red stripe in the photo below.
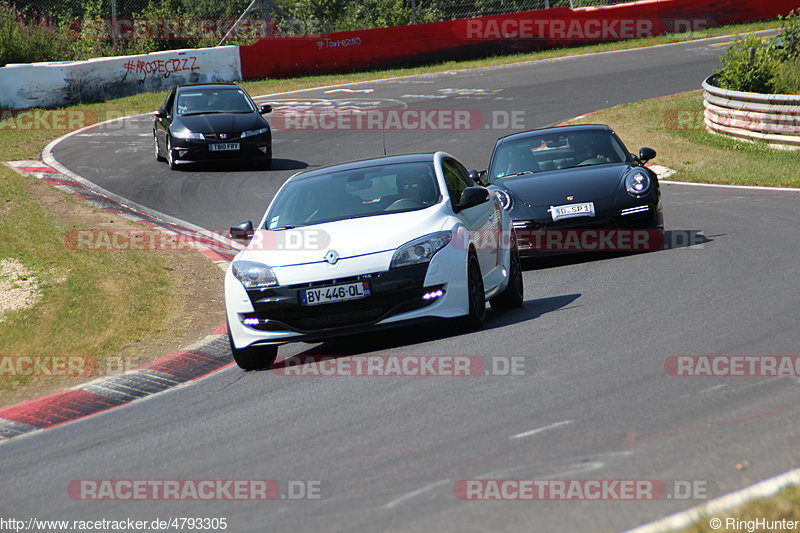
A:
[279,57]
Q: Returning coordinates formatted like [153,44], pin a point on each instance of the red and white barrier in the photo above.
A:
[530,30]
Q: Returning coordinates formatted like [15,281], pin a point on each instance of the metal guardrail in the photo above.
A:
[774,118]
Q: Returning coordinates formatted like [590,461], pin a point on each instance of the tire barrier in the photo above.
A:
[774,118]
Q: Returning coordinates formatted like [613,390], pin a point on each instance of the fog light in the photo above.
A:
[433,295]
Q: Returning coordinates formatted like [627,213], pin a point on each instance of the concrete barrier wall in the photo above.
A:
[57,84]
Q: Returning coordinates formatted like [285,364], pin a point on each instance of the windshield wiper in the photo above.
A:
[288,226]
[202,113]
[518,174]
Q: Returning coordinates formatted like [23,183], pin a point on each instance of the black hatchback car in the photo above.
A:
[211,122]
[570,177]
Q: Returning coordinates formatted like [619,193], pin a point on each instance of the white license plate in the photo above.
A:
[335,293]
[223,147]
[572,210]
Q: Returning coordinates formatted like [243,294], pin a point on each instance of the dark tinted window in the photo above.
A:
[457,179]
[554,151]
[362,192]
[213,100]
[166,107]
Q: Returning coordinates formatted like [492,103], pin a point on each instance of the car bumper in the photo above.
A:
[192,151]
[532,235]
[276,316]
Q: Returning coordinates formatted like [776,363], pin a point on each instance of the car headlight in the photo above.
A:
[251,133]
[188,135]
[504,197]
[637,183]
[420,250]
[254,275]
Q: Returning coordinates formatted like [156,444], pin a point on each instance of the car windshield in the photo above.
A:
[555,151]
[360,192]
[213,100]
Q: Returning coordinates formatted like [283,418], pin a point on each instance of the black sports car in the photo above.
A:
[211,122]
[571,177]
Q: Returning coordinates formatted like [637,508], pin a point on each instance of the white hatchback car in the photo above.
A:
[369,244]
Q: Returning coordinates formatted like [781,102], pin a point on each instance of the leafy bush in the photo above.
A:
[787,77]
[29,38]
[769,66]
[749,65]
[789,38]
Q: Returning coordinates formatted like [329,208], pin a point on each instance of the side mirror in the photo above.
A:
[471,197]
[475,176]
[264,109]
[242,231]
[646,154]
[161,114]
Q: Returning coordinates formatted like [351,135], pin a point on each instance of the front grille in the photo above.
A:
[219,136]
[392,292]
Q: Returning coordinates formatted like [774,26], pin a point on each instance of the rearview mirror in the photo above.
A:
[646,154]
[472,196]
[242,231]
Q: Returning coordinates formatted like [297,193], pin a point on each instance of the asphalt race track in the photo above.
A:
[593,335]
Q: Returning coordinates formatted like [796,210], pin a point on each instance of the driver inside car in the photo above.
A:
[589,151]
[413,190]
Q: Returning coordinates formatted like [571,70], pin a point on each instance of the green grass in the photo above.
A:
[783,506]
[92,303]
[673,126]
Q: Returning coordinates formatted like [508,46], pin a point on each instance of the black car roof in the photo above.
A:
[554,129]
[369,162]
[208,85]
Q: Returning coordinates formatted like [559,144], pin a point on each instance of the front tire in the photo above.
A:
[253,357]
[513,295]
[475,294]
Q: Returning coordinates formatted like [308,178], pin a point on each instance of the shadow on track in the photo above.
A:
[243,166]
[435,330]
[673,240]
